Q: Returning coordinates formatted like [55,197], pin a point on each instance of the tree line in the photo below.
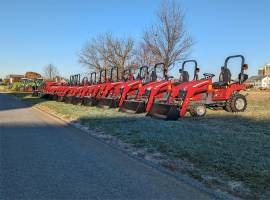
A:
[165,41]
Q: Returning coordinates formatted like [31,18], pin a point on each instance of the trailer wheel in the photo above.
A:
[238,103]
[198,110]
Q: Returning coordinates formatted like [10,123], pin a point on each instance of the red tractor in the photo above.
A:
[109,97]
[137,102]
[161,92]
[89,97]
[82,91]
[48,89]
[195,96]
[74,85]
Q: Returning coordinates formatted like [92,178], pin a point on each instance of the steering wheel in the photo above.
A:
[208,75]
[170,78]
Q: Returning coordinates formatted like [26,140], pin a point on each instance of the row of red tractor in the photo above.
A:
[155,93]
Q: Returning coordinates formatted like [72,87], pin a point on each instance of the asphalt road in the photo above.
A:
[44,158]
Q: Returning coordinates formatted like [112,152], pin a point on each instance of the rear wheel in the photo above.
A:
[238,103]
[198,110]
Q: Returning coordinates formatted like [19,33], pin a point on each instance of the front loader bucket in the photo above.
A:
[89,101]
[44,95]
[54,97]
[76,100]
[68,99]
[60,98]
[107,103]
[50,97]
[164,111]
[132,106]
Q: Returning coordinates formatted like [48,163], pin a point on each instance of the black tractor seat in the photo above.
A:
[224,78]
[184,77]
[220,84]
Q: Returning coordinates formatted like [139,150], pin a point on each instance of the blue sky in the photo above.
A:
[34,33]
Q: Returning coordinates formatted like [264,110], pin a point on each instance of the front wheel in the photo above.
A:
[198,110]
[238,103]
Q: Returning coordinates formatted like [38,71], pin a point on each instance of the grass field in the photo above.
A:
[3,88]
[233,147]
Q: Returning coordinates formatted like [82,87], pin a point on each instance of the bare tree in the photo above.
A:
[144,56]
[167,41]
[50,72]
[105,51]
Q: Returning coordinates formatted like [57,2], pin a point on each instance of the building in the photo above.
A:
[260,72]
[265,70]
[11,78]
[32,75]
[259,82]
[262,82]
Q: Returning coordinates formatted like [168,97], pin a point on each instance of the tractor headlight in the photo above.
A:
[147,92]
[182,94]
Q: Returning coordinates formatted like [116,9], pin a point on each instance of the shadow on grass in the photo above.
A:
[229,145]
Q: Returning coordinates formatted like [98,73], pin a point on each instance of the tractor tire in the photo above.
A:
[238,103]
[228,104]
[198,110]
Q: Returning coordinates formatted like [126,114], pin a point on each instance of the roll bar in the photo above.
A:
[242,77]
[91,77]
[117,76]
[196,69]
[157,65]
[75,79]
[243,65]
[126,71]
[100,75]
[84,81]
[141,69]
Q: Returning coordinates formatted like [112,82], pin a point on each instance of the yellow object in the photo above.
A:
[210,87]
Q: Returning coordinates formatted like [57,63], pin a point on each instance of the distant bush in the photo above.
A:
[16,86]
[20,86]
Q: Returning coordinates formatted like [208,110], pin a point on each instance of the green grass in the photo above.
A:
[229,145]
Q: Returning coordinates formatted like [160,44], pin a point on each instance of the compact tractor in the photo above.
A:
[137,102]
[198,95]
[48,89]
[74,84]
[89,97]
[83,89]
[161,92]
[110,96]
